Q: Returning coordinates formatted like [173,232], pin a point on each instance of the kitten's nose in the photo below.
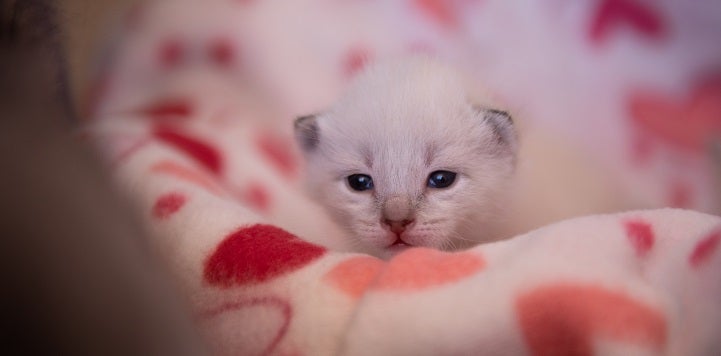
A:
[397,227]
[397,208]
[397,213]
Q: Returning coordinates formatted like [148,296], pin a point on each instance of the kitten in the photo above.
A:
[403,159]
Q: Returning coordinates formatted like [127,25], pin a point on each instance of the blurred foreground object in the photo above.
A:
[78,277]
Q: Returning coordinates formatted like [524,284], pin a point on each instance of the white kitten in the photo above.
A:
[404,159]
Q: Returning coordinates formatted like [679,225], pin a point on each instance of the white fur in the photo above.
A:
[394,117]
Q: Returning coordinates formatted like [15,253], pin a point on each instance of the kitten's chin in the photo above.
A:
[391,251]
[398,247]
[390,245]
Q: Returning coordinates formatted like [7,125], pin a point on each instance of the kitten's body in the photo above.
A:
[398,123]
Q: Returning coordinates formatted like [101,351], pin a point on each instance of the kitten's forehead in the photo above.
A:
[398,121]
[395,104]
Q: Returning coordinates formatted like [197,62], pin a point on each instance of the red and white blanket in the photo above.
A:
[193,111]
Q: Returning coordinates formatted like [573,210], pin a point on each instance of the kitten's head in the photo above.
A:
[405,160]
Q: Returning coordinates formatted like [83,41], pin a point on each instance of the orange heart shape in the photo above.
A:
[421,268]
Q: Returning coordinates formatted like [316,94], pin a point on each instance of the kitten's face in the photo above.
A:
[408,163]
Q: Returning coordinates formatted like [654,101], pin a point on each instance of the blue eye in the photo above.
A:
[441,179]
[360,182]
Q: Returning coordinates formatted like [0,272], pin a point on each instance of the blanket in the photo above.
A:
[192,113]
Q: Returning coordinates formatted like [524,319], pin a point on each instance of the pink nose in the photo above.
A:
[397,227]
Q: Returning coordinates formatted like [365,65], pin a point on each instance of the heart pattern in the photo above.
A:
[256,254]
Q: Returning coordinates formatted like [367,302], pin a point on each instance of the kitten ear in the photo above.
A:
[501,123]
[306,132]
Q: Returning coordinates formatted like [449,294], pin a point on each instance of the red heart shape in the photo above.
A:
[687,124]
[564,318]
[202,152]
[612,13]
[256,254]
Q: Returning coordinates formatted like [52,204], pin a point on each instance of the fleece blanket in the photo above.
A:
[193,108]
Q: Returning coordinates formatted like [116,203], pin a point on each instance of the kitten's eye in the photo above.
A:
[360,182]
[441,179]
